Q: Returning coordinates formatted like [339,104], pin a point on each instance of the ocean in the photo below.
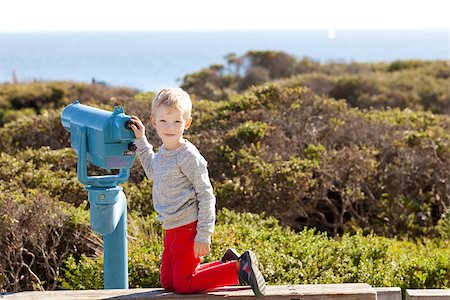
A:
[151,60]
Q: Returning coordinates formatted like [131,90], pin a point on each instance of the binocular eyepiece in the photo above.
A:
[132,147]
[128,124]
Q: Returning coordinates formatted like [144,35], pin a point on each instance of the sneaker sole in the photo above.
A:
[258,283]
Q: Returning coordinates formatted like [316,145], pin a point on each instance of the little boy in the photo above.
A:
[184,200]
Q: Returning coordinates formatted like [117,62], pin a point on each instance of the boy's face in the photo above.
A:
[170,124]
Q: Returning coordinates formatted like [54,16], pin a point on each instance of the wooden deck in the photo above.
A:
[388,293]
[430,294]
[348,291]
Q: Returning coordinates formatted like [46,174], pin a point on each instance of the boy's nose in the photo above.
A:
[169,126]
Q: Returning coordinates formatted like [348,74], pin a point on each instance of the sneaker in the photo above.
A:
[250,273]
[230,254]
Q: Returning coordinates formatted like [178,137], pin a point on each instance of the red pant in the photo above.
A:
[182,273]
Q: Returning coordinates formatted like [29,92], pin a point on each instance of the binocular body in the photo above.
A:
[109,143]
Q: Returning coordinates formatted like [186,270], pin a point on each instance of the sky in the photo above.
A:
[157,15]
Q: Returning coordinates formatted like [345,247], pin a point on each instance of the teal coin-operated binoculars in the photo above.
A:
[105,139]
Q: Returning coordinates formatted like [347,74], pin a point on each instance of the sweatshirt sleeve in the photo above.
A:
[195,168]
[146,155]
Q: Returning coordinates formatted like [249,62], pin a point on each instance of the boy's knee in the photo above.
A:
[182,287]
[167,284]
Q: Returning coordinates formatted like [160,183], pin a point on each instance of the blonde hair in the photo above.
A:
[173,98]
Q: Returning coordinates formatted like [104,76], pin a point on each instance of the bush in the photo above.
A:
[54,172]
[83,274]
[309,160]
[330,164]
[33,95]
[144,252]
[207,83]
[287,257]
[365,179]
[405,64]
[53,95]
[36,235]
[217,82]
[419,88]
[254,76]
[404,84]
[247,132]
[13,115]
[35,132]
[140,196]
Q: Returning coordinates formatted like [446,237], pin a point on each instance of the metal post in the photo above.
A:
[115,256]
[109,218]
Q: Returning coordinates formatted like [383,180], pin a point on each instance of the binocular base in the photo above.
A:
[109,218]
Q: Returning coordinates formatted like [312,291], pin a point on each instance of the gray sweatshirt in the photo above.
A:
[182,192]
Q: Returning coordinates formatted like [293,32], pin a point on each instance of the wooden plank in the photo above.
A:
[349,291]
[431,294]
[388,293]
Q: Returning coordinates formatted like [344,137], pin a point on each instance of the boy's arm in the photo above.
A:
[195,168]
[146,155]
[144,149]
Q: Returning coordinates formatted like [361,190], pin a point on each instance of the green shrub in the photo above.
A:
[423,88]
[405,64]
[279,148]
[409,83]
[52,171]
[54,95]
[246,133]
[34,95]
[140,197]
[371,165]
[356,180]
[145,248]
[35,132]
[286,257]
[84,274]
[13,115]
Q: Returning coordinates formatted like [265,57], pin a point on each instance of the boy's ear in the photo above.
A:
[153,121]
[188,123]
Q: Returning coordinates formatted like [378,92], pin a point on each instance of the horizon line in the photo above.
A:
[235,30]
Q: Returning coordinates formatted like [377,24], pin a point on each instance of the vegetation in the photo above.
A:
[413,84]
[286,257]
[330,172]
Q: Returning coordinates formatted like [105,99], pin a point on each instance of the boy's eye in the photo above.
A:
[162,121]
[177,121]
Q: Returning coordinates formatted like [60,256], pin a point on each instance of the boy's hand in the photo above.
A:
[200,249]
[137,127]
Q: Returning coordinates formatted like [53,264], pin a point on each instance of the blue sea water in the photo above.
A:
[151,60]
